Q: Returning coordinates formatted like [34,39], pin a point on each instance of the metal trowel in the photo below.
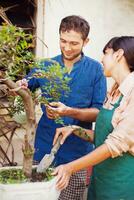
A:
[48,158]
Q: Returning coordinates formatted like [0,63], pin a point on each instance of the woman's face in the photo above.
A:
[108,61]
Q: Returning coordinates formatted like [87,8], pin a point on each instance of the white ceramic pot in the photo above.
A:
[31,191]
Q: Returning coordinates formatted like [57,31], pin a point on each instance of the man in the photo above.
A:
[88,89]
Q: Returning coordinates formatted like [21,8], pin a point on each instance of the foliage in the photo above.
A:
[13,176]
[15,55]
[56,84]
[16,105]
[16,59]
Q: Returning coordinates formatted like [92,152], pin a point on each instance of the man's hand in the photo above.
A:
[56,109]
[63,173]
[22,83]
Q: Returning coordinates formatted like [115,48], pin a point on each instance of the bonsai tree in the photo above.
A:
[16,59]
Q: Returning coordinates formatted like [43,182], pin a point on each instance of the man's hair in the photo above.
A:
[75,23]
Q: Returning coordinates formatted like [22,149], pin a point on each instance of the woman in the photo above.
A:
[113,157]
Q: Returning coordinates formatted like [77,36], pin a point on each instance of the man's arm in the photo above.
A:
[83,114]
[56,109]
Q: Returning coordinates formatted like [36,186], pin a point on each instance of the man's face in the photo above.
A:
[71,44]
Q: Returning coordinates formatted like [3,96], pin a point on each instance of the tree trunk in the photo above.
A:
[28,148]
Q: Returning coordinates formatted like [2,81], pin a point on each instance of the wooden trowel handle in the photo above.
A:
[57,145]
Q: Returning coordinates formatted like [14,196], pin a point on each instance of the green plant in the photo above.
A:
[16,59]
[15,55]
[13,175]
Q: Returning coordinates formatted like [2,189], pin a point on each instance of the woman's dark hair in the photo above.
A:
[75,23]
[127,44]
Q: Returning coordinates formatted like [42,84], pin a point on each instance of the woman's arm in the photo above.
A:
[64,172]
[85,134]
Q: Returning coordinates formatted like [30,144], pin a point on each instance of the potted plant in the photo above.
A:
[16,59]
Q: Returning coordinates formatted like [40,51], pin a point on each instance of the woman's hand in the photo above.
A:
[65,132]
[63,173]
